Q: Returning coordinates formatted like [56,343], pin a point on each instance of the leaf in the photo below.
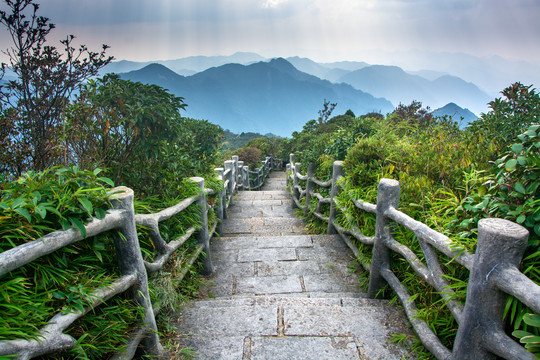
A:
[41,211]
[522,160]
[532,320]
[65,224]
[18,203]
[100,213]
[482,190]
[59,295]
[107,181]
[87,205]
[510,164]
[521,218]
[53,210]
[25,213]
[79,225]
[520,333]
[530,339]
[517,148]
[519,188]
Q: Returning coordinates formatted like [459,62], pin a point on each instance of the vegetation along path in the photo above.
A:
[279,293]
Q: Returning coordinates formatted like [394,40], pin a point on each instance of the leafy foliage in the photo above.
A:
[46,78]
[57,198]
[236,141]
[34,205]
[136,131]
[509,116]
[446,182]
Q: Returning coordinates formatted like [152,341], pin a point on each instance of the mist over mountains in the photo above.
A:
[246,92]
[398,86]
[265,97]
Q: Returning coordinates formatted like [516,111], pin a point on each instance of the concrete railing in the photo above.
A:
[494,269]
[254,180]
[134,270]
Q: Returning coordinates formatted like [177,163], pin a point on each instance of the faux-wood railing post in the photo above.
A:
[240,176]
[221,203]
[501,245]
[245,177]
[268,166]
[258,178]
[202,235]
[130,261]
[235,171]
[296,192]
[310,185]
[337,172]
[387,196]
[229,165]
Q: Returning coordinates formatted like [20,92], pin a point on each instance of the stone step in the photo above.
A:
[337,299]
[261,208]
[266,225]
[279,293]
[292,328]
[298,264]
[262,195]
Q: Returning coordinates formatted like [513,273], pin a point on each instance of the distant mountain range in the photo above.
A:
[462,116]
[186,66]
[265,97]
[398,86]
[432,88]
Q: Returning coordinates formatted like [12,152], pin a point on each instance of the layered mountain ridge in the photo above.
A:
[262,97]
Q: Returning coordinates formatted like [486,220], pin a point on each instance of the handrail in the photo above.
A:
[134,269]
[500,242]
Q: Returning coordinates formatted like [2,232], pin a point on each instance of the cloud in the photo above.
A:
[271,4]
[341,29]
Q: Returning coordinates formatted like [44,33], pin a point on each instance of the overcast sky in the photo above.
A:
[324,30]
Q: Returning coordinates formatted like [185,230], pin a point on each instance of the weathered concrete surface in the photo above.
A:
[279,293]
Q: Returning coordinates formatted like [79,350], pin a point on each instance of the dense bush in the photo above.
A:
[446,182]
[256,150]
[34,205]
[137,133]
[33,104]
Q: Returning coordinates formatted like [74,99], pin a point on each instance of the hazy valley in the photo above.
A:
[245,92]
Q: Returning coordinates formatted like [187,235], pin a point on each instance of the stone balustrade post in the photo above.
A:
[203,237]
[235,167]
[229,165]
[245,178]
[258,178]
[241,174]
[221,209]
[387,196]
[268,165]
[295,191]
[310,186]
[130,261]
[337,172]
[501,245]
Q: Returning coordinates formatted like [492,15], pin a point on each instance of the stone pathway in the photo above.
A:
[279,293]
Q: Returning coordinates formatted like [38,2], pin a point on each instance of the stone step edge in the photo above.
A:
[244,300]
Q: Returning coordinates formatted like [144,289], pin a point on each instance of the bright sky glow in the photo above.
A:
[323,30]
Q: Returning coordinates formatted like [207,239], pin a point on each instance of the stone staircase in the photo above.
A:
[279,293]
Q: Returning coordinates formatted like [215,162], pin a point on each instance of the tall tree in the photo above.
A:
[46,77]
